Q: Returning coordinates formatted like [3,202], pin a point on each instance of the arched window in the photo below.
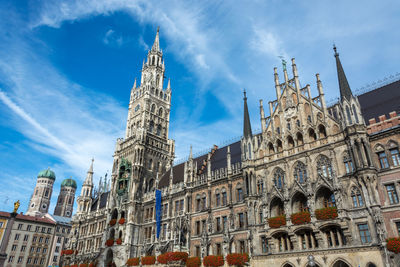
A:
[299,137]
[158,80]
[356,198]
[300,172]
[198,203]
[151,127]
[249,149]
[260,186]
[203,201]
[324,167]
[312,135]
[150,164]
[278,130]
[150,187]
[348,163]
[355,113]
[290,141]
[239,193]
[159,129]
[288,126]
[394,153]
[279,178]
[279,145]
[298,123]
[153,108]
[160,112]
[224,197]
[217,198]
[271,148]
[322,131]
[348,115]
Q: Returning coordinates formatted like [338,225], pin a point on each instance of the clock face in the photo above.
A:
[137,108]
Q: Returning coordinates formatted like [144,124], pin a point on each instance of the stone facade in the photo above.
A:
[308,184]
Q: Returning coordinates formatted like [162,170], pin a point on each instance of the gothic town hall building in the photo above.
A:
[308,184]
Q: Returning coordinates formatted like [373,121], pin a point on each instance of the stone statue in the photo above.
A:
[16,206]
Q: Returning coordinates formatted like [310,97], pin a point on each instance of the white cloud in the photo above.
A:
[143,44]
[112,38]
[267,43]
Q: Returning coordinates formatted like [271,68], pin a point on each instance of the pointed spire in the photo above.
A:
[246,120]
[156,45]
[345,91]
[89,176]
[191,153]
[134,84]
[169,84]
[100,185]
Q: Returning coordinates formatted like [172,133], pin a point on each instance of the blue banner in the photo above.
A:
[158,212]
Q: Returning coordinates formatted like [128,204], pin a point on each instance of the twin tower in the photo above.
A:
[41,197]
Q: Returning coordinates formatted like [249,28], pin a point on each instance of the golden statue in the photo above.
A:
[16,206]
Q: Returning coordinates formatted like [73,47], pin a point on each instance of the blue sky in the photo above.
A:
[67,67]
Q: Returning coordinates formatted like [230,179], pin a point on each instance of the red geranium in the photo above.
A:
[213,261]
[148,260]
[113,222]
[163,258]
[133,262]
[110,242]
[119,241]
[83,265]
[177,256]
[121,221]
[193,262]
[74,265]
[92,264]
[393,244]
[328,213]
[301,217]
[67,252]
[237,259]
[276,222]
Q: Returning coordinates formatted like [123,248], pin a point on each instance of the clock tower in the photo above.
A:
[145,153]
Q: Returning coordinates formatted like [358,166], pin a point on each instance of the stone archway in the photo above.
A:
[340,263]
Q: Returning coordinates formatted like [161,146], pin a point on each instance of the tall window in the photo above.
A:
[198,203]
[392,194]
[204,202]
[300,172]
[264,244]
[260,186]
[279,177]
[324,167]
[218,224]
[398,228]
[217,199]
[330,201]
[241,220]
[394,152]
[224,222]
[348,115]
[383,160]
[364,233]
[348,164]
[239,194]
[355,113]
[198,227]
[357,198]
[224,197]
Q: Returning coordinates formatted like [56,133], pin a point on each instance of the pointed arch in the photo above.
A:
[276,207]
[324,166]
[355,113]
[271,148]
[290,141]
[300,172]
[322,131]
[348,115]
[153,108]
[299,202]
[279,177]
[356,197]
[340,262]
[312,135]
[160,112]
[299,138]
[279,145]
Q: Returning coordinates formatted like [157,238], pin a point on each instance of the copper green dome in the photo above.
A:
[47,174]
[69,182]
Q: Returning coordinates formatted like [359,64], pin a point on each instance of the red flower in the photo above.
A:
[121,221]
[177,256]
[213,261]
[328,213]
[237,259]
[193,262]
[113,222]
[133,262]
[276,222]
[83,265]
[393,244]
[110,242]
[148,260]
[163,258]
[67,252]
[92,264]
[119,241]
[301,217]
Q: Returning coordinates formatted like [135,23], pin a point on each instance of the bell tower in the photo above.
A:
[146,152]
[40,200]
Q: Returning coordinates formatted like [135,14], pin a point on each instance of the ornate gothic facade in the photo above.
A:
[308,184]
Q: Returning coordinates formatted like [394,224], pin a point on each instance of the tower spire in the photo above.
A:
[156,44]
[345,91]
[89,176]
[246,120]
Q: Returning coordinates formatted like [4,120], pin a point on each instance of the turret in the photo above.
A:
[66,198]
[40,200]
[85,199]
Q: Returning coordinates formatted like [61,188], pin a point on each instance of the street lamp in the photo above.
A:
[311,261]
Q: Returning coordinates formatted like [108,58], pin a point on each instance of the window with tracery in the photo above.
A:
[300,172]
[356,198]
[279,178]
[260,186]
[348,163]
[324,167]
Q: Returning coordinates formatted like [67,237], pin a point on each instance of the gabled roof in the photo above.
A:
[380,101]
[218,161]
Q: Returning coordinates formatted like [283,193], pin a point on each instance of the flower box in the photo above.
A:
[213,261]
[121,221]
[237,259]
[193,262]
[177,256]
[67,252]
[278,221]
[92,264]
[148,260]
[83,265]
[109,242]
[393,244]
[119,241]
[113,222]
[74,265]
[301,217]
[133,262]
[328,213]
[163,258]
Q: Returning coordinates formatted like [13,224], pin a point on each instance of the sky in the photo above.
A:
[67,67]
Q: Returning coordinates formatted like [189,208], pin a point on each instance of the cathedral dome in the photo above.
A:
[69,182]
[47,174]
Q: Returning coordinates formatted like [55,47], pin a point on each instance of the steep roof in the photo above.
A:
[218,161]
[103,201]
[345,91]
[380,101]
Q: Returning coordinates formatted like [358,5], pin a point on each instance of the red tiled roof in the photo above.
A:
[24,217]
